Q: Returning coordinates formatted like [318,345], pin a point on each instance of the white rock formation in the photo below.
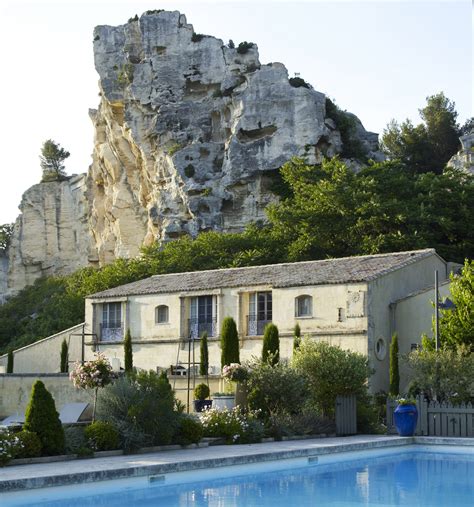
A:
[189,135]
[464,158]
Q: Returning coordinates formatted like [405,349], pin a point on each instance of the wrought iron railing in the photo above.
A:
[111,331]
[256,325]
[202,325]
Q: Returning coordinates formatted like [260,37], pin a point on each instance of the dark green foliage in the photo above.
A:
[468,127]
[64,357]
[128,352]
[298,82]
[204,355]
[394,373]
[74,439]
[141,407]
[305,422]
[271,345]
[428,146]
[190,430]
[30,445]
[6,231]
[346,124]
[230,352]
[189,171]
[197,37]
[10,360]
[244,47]
[42,418]
[102,436]
[131,20]
[368,416]
[201,392]
[296,337]
[153,11]
[52,158]
[231,44]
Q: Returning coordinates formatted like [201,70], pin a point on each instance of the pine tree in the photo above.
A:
[10,360]
[271,345]
[52,158]
[42,418]
[229,342]
[394,388]
[204,362]
[128,352]
[64,357]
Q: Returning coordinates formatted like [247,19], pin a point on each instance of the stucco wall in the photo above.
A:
[386,290]
[44,356]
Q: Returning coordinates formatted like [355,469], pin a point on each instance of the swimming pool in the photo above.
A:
[431,476]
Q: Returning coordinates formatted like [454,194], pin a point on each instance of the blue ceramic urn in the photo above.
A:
[406,417]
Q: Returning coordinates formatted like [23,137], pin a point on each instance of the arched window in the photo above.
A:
[161,314]
[304,306]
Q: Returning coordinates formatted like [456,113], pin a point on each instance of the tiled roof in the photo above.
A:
[331,271]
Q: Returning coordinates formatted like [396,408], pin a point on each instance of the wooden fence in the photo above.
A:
[438,419]
[346,415]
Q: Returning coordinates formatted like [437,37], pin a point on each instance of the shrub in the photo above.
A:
[369,418]
[201,392]
[296,337]
[64,357]
[197,37]
[229,342]
[275,389]
[10,360]
[9,446]
[331,371]
[30,445]
[231,44]
[307,422]
[244,47]
[75,439]
[128,352]
[190,430]
[271,345]
[189,171]
[42,418]
[394,389]
[235,372]
[298,82]
[141,407]
[204,353]
[102,436]
[235,426]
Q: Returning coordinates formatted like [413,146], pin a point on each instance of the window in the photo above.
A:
[304,306]
[203,312]
[260,312]
[111,325]
[161,314]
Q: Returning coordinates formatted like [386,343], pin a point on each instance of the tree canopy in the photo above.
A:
[52,158]
[6,231]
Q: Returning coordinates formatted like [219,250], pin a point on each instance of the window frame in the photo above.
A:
[157,314]
[299,299]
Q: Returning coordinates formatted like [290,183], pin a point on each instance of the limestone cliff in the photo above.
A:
[189,133]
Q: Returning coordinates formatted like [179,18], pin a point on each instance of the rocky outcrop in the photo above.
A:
[189,135]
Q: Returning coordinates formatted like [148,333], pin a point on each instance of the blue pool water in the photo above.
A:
[410,478]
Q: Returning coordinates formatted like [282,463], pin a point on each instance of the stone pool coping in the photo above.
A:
[27,477]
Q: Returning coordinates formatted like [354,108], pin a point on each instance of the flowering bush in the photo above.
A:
[9,446]
[236,426]
[92,374]
[235,372]
[406,401]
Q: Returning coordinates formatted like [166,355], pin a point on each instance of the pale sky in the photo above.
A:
[377,59]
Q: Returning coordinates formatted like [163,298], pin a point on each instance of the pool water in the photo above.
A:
[410,478]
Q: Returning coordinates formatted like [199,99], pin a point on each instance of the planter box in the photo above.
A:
[224,402]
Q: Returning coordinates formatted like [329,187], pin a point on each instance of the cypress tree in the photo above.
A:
[271,344]
[204,361]
[229,342]
[394,389]
[128,352]
[296,337]
[64,357]
[42,418]
[10,361]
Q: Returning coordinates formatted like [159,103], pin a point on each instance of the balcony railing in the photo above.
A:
[202,325]
[256,325]
[111,331]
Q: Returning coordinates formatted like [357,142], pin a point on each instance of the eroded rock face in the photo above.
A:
[189,134]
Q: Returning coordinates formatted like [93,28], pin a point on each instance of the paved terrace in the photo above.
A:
[24,477]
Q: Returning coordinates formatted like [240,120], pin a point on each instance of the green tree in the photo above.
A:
[204,356]
[64,357]
[428,146]
[296,337]
[42,418]
[10,360]
[271,345]
[457,326]
[230,352]
[468,127]
[52,158]
[394,389]
[128,352]
[6,231]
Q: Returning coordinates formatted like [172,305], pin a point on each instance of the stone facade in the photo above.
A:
[464,158]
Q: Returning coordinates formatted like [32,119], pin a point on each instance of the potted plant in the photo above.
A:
[201,392]
[406,417]
[222,401]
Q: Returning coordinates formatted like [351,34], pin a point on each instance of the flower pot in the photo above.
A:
[406,417]
[224,402]
[201,405]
